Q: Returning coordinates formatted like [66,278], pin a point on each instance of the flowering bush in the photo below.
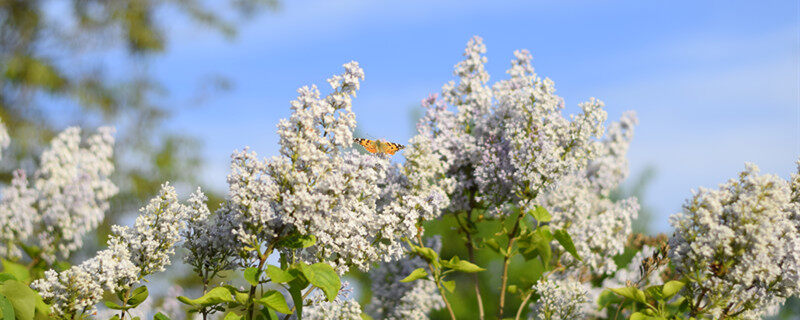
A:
[528,189]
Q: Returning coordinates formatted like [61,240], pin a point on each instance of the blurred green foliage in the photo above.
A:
[53,75]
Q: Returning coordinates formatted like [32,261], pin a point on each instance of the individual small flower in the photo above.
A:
[558,300]
[73,187]
[739,245]
[395,300]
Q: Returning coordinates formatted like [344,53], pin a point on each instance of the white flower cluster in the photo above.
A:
[73,187]
[580,204]
[740,244]
[558,300]
[510,142]
[132,254]
[395,300]
[333,310]
[68,198]
[5,140]
[157,229]
[81,287]
[317,186]
[18,216]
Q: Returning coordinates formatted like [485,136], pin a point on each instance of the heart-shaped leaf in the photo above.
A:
[275,300]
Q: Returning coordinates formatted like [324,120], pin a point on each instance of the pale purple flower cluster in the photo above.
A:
[739,244]
[395,300]
[508,143]
[208,238]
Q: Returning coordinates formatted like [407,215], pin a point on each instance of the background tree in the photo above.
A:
[54,74]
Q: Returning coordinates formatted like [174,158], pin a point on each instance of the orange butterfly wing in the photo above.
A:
[370,145]
[379,146]
[391,147]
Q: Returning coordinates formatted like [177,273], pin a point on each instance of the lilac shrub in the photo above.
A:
[739,245]
[530,191]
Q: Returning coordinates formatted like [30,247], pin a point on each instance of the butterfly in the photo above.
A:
[379,146]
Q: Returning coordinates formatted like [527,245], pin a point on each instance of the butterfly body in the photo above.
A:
[379,146]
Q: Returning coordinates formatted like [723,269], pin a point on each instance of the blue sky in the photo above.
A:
[715,84]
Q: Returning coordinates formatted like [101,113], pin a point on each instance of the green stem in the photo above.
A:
[251,296]
[506,260]
[437,279]
[471,252]
[125,296]
[522,305]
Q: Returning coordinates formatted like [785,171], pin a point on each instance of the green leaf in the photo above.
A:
[324,277]
[115,317]
[297,297]
[161,316]
[7,276]
[232,316]
[268,314]
[532,270]
[631,293]
[418,273]
[239,296]
[606,298]
[565,240]
[427,253]
[642,316]
[138,296]
[214,296]
[671,288]
[540,214]
[542,238]
[6,308]
[278,275]
[275,300]
[449,285]
[20,272]
[464,266]
[251,275]
[115,306]
[654,292]
[23,298]
[512,289]
[492,243]
[298,241]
